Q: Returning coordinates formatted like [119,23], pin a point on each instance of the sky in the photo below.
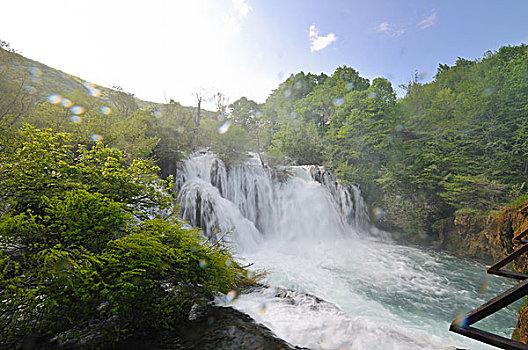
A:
[170,49]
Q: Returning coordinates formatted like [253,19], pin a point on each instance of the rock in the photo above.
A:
[216,328]
[521,330]
[465,236]
[227,328]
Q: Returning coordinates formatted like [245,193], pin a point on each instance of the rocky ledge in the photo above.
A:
[215,328]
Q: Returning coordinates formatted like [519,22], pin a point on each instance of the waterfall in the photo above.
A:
[304,228]
[254,203]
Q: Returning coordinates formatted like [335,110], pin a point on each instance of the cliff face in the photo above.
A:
[466,236]
[487,238]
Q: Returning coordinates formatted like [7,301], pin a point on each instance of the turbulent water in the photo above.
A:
[312,236]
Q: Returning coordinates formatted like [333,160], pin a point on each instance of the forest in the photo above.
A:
[86,208]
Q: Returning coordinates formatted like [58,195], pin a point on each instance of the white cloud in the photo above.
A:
[241,7]
[390,29]
[317,42]
[427,22]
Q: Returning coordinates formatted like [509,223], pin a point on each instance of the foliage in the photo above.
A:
[79,248]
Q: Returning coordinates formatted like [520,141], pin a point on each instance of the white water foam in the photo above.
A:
[308,233]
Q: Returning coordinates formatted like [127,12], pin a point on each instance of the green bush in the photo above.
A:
[77,252]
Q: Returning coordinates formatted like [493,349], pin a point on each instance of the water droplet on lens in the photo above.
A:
[423,236]
[54,99]
[96,137]
[30,89]
[66,103]
[36,72]
[338,102]
[202,263]
[231,295]
[105,110]
[224,127]
[488,91]
[378,212]
[76,119]
[77,110]
[483,285]
[462,320]
[263,307]
[95,92]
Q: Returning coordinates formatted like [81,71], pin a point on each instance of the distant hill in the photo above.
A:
[42,80]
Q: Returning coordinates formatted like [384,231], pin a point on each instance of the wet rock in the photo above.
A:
[215,328]
[227,328]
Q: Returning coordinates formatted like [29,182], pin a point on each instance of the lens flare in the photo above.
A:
[338,101]
[96,137]
[263,307]
[378,212]
[222,129]
[157,114]
[372,94]
[77,110]
[298,84]
[258,114]
[374,230]
[483,285]
[66,103]
[106,110]
[76,119]
[202,263]
[287,92]
[30,89]
[54,99]
[350,85]
[95,92]
[180,129]
[462,320]
[399,128]
[488,91]
[36,72]
[231,296]
[36,80]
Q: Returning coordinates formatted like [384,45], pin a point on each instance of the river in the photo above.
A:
[311,235]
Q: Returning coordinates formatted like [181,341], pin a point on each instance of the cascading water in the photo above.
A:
[308,231]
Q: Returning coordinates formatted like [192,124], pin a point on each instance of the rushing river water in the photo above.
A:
[311,235]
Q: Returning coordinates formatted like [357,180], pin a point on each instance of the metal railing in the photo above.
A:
[462,324]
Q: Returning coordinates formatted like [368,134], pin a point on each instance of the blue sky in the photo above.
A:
[169,49]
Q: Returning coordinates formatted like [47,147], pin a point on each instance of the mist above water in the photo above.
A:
[309,232]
